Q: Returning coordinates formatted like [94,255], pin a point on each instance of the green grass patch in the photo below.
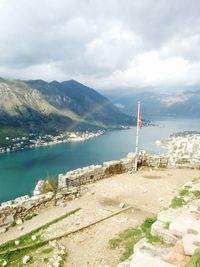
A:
[146,225]
[196,193]
[196,180]
[195,260]
[155,239]
[184,192]
[166,225]
[128,238]
[14,258]
[177,202]
[29,217]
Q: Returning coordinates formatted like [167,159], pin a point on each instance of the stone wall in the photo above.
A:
[14,212]
[93,173]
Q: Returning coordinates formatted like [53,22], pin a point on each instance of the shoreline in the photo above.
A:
[28,142]
[59,139]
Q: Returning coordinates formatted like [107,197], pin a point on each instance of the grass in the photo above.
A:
[196,193]
[128,238]
[177,202]
[155,239]
[29,217]
[27,240]
[14,258]
[166,225]
[184,192]
[196,180]
[195,260]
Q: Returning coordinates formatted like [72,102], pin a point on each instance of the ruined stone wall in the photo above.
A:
[93,173]
[15,211]
[10,211]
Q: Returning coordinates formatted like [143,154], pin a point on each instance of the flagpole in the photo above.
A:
[137,137]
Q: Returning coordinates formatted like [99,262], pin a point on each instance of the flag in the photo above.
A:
[140,120]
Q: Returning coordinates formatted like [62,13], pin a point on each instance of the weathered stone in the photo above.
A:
[180,225]
[33,237]
[19,221]
[9,218]
[159,229]
[190,243]
[177,256]
[142,259]
[26,259]
[122,205]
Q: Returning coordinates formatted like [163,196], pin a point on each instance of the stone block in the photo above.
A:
[190,243]
[180,225]
[140,259]
[158,229]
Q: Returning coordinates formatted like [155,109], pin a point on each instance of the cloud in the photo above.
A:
[105,44]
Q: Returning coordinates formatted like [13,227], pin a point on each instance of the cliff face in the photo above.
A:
[56,106]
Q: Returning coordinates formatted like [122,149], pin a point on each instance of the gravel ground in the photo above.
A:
[146,191]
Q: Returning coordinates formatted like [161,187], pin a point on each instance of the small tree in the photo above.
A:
[51,185]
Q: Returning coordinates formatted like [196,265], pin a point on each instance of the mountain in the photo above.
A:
[155,104]
[46,107]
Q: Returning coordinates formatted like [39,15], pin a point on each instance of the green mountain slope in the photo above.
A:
[40,106]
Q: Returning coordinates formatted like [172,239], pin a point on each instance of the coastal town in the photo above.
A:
[183,147]
[32,140]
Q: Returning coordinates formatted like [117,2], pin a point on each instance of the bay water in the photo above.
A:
[20,171]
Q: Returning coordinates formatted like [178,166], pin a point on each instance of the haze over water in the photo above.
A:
[19,171]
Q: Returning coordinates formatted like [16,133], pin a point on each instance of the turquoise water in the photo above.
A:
[19,171]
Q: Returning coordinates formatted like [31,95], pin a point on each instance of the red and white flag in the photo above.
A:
[140,120]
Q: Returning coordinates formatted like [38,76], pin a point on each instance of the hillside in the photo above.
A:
[46,107]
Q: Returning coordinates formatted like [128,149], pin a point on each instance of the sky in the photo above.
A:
[104,44]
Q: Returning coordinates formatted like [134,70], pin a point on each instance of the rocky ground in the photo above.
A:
[174,237]
[145,192]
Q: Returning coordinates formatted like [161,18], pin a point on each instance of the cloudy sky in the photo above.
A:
[105,44]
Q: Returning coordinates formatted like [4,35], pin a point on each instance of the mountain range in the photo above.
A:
[51,107]
[155,104]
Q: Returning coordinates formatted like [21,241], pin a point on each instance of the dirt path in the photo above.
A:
[91,247]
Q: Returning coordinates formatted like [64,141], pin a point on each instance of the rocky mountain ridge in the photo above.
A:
[48,107]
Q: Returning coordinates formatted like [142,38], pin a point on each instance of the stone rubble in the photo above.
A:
[58,252]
